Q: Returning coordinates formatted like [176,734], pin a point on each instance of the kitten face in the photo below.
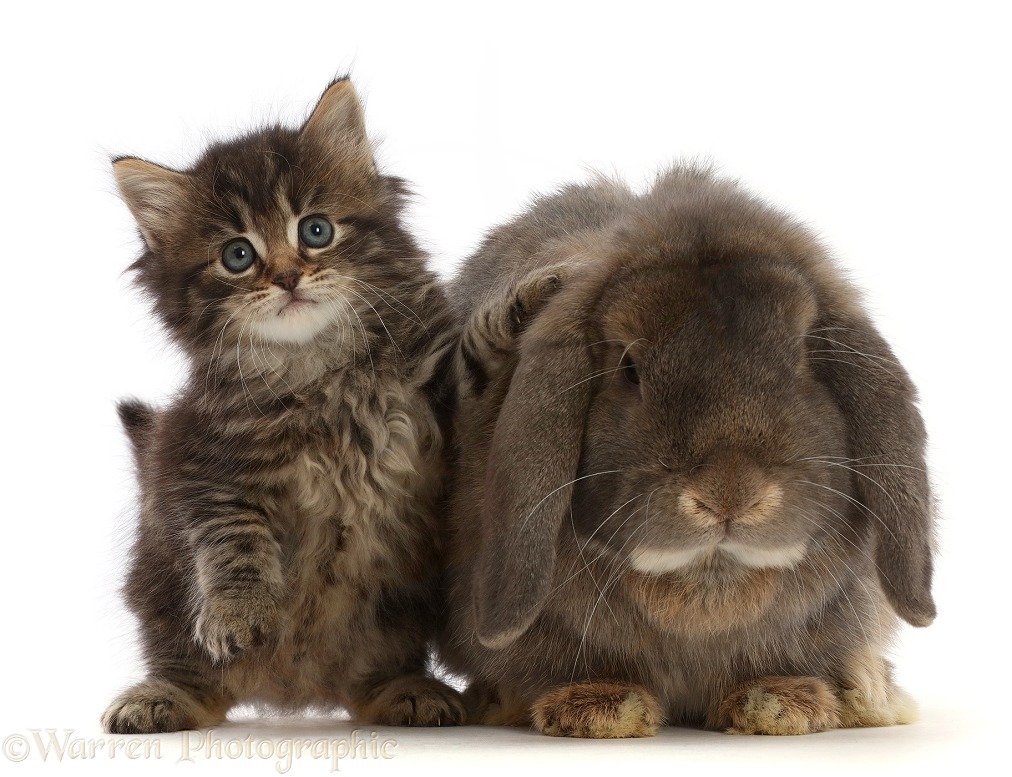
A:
[274,238]
[291,275]
[299,289]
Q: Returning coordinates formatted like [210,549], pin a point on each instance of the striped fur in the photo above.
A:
[288,547]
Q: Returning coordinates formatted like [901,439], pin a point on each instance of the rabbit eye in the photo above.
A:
[628,367]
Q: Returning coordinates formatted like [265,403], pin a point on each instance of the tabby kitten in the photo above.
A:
[288,545]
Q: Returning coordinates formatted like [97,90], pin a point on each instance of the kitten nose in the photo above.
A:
[287,280]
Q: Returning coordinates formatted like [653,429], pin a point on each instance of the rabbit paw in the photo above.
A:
[228,625]
[598,710]
[782,706]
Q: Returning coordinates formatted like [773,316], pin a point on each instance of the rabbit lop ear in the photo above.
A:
[532,465]
[886,438]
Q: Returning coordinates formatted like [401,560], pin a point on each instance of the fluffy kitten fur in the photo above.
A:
[288,544]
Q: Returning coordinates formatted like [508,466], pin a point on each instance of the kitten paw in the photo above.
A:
[414,701]
[157,707]
[598,710]
[227,626]
[531,295]
[780,706]
[486,706]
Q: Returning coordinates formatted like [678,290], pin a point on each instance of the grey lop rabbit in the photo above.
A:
[692,486]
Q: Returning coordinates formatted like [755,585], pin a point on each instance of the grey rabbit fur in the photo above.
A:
[691,485]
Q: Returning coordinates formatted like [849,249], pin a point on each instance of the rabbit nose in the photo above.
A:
[746,507]
[731,492]
[709,506]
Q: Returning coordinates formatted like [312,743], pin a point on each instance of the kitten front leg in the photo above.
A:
[165,703]
[409,700]
[391,687]
[240,579]
[489,336]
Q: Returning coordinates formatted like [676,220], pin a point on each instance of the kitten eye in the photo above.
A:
[315,231]
[628,367]
[238,255]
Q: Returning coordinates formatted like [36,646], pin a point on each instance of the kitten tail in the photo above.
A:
[138,419]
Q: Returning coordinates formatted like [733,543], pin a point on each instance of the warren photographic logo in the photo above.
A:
[59,745]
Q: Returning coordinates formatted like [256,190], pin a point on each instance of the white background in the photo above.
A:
[883,124]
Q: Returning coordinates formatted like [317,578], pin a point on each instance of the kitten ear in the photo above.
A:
[337,124]
[153,195]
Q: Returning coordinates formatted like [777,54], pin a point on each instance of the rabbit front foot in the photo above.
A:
[781,706]
[598,710]
[227,625]
[158,706]
[412,700]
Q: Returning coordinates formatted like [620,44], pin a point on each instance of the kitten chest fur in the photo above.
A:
[354,510]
